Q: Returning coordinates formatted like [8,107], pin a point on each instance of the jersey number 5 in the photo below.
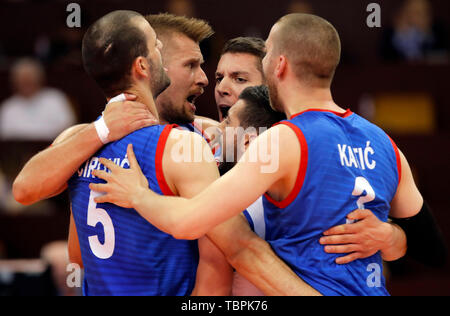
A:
[97,215]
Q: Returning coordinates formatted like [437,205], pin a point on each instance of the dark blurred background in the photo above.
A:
[396,76]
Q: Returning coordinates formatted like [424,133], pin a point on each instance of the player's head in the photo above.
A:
[253,113]
[240,66]
[303,48]
[121,51]
[182,57]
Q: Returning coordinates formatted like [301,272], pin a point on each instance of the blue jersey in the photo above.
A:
[123,254]
[346,163]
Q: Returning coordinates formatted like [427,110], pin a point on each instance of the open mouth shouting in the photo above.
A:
[191,100]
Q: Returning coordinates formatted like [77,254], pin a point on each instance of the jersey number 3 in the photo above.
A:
[361,186]
[97,215]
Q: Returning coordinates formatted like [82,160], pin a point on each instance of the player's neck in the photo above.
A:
[144,96]
[300,98]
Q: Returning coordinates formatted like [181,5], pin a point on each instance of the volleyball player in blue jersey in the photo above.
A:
[124,255]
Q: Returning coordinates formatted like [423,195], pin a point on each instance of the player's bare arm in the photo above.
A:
[243,185]
[211,128]
[74,244]
[206,122]
[214,273]
[410,211]
[187,179]
[254,259]
[72,148]
[365,238]
[249,254]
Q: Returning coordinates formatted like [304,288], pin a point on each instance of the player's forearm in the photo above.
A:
[49,171]
[260,265]
[397,245]
[214,273]
[172,215]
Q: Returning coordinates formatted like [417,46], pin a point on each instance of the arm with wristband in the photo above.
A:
[425,241]
[412,214]
[46,174]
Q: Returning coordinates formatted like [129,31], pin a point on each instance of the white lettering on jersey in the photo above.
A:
[359,158]
[94,164]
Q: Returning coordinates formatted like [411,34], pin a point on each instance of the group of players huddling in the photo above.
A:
[145,222]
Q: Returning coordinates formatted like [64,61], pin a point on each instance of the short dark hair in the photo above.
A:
[249,45]
[258,113]
[110,46]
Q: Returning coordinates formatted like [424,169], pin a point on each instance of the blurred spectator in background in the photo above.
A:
[300,6]
[34,112]
[415,35]
[182,8]
[56,255]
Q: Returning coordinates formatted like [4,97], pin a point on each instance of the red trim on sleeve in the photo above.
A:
[301,172]
[343,115]
[159,160]
[399,162]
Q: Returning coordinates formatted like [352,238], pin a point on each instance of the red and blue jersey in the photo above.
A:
[346,163]
[123,254]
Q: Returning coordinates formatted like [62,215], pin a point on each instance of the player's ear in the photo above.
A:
[141,67]
[281,67]
[249,138]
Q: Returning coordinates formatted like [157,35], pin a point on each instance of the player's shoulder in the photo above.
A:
[370,128]
[149,131]
[147,138]
[183,135]
[188,147]
[204,122]
[283,131]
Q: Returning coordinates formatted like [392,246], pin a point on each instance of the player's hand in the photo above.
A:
[126,117]
[360,240]
[123,185]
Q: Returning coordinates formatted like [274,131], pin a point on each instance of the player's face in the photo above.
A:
[183,59]
[159,80]
[269,64]
[235,72]
[230,139]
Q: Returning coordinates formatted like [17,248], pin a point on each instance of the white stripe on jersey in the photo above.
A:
[241,286]
[256,211]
